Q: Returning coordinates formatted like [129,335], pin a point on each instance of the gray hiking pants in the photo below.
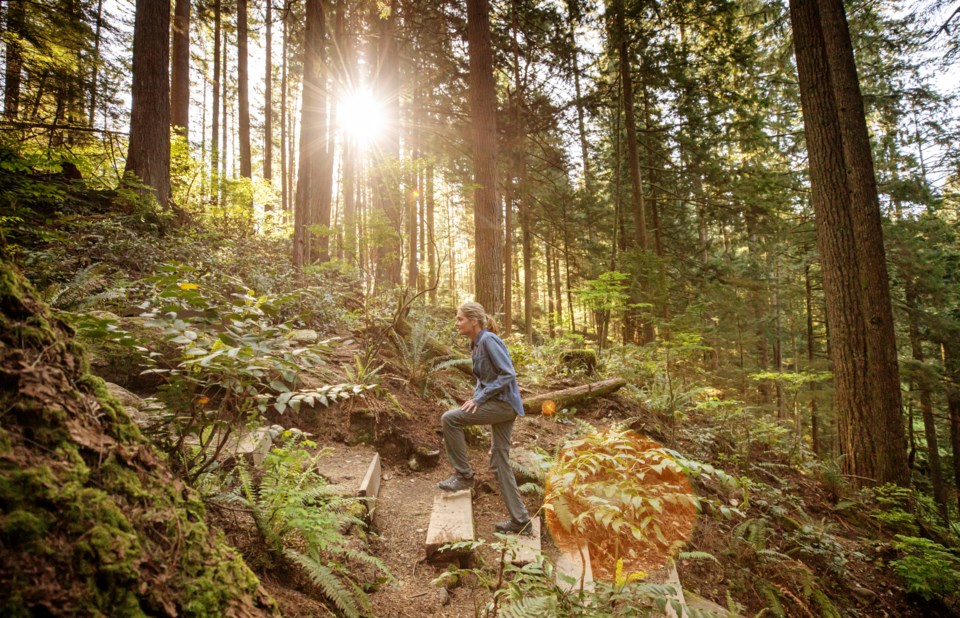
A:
[500,416]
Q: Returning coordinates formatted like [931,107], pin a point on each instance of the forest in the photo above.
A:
[719,240]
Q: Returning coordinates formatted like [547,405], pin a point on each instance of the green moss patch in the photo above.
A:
[91,521]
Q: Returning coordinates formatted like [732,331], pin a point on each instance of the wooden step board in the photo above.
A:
[572,565]
[370,485]
[527,548]
[668,576]
[451,521]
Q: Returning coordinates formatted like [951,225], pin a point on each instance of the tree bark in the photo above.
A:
[14,60]
[180,69]
[268,101]
[387,150]
[312,143]
[926,408]
[284,163]
[872,439]
[431,205]
[951,363]
[636,175]
[148,155]
[215,123]
[243,93]
[95,76]
[486,213]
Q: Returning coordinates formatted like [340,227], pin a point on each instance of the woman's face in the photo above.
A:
[466,326]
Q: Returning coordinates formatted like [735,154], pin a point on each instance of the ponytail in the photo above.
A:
[475,311]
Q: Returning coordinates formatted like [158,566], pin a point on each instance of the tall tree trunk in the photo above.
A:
[926,407]
[180,69]
[872,437]
[636,176]
[243,94]
[268,101]
[550,308]
[412,201]
[508,255]
[284,163]
[486,213]
[224,101]
[312,142]
[387,149]
[573,15]
[431,206]
[14,60]
[215,123]
[350,152]
[811,347]
[950,352]
[868,231]
[148,156]
[95,76]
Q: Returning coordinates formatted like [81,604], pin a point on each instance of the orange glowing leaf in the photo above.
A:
[548,408]
[203,400]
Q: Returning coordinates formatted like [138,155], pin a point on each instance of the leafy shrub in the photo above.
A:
[618,492]
[231,362]
[930,569]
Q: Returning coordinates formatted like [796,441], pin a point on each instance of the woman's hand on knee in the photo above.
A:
[469,406]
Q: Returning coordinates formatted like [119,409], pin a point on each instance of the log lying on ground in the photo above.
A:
[564,398]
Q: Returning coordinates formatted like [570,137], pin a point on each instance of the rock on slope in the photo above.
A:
[92,522]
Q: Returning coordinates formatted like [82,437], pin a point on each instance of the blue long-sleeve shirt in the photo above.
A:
[494,371]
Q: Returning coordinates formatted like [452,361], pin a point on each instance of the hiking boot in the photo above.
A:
[456,483]
[512,527]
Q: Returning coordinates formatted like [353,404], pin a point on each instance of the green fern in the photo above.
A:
[697,555]
[80,291]
[327,581]
[531,607]
[774,606]
[300,518]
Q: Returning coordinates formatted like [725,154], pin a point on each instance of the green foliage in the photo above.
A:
[536,590]
[896,508]
[930,569]
[301,519]
[89,287]
[231,361]
[593,491]
[419,365]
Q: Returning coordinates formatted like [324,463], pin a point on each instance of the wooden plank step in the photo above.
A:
[673,580]
[527,548]
[370,485]
[451,521]
[572,565]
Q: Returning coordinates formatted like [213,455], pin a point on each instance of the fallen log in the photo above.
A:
[564,398]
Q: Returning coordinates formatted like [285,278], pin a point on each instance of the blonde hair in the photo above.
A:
[475,311]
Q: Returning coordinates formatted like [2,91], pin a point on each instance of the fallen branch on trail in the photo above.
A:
[568,396]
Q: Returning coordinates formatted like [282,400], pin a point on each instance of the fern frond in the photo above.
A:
[524,472]
[453,362]
[364,558]
[697,555]
[773,600]
[327,581]
[531,607]
[84,284]
[532,488]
